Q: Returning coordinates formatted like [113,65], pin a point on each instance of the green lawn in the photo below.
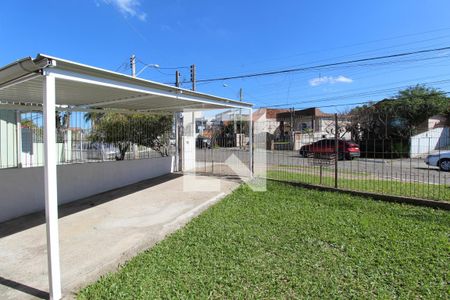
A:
[388,187]
[290,242]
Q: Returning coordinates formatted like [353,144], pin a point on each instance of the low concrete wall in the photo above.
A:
[22,190]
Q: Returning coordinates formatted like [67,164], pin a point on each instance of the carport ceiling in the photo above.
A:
[87,87]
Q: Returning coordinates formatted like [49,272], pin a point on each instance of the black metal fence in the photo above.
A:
[83,137]
[339,152]
[335,151]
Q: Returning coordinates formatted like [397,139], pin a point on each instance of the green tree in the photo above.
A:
[385,127]
[416,104]
[123,130]
[401,115]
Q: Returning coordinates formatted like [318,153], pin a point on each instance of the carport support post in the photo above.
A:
[177,150]
[51,189]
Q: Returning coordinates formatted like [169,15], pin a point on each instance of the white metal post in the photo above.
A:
[19,138]
[51,189]
[250,141]
[177,152]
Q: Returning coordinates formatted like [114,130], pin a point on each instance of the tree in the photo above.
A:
[122,130]
[416,104]
[387,125]
[401,115]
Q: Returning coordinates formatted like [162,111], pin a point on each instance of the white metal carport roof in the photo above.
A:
[85,87]
[46,82]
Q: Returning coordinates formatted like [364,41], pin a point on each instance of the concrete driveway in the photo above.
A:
[101,232]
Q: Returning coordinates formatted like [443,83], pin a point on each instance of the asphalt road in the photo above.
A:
[408,170]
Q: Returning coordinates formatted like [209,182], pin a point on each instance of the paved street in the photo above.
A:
[413,170]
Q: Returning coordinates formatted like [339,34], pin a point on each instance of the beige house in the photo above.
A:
[265,120]
[308,125]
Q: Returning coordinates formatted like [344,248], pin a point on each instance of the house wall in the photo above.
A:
[22,190]
[264,124]
[434,139]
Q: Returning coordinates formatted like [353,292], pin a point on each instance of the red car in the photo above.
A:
[326,148]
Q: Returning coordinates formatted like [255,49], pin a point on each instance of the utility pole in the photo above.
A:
[241,97]
[292,122]
[193,77]
[177,78]
[133,65]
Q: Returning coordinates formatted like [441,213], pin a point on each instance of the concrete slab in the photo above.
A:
[99,233]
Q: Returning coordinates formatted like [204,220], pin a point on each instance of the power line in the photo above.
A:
[338,105]
[355,103]
[124,66]
[361,94]
[325,65]
[358,44]
[163,68]
[351,55]
[297,89]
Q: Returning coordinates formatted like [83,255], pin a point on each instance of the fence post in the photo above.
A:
[206,146]
[320,173]
[250,142]
[336,150]
[19,139]
[213,142]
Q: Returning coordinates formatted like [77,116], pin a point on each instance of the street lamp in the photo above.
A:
[156,66]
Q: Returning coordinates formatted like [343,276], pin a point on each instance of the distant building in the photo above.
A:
[231,115]
[307,125]
[265,120]
[307,121]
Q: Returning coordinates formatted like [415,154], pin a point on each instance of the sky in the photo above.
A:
[227,38]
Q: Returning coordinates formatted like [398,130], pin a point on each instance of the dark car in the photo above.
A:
[203,142]
[326,148]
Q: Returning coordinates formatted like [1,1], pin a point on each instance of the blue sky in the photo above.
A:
[237,37]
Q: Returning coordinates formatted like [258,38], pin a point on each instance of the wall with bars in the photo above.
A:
[22,190]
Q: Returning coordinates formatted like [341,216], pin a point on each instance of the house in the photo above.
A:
[307,125]
[434,135]
[230,115]
[266,128]
[265,120]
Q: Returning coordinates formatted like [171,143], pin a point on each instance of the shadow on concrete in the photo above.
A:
[24,288]
[35,219]
[224,175]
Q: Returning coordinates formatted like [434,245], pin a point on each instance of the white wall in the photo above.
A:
[8,139]
[22,190]
[188,141]
[428,141]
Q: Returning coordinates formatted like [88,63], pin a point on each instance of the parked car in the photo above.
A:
[326,148]
[441,160]
[203,142]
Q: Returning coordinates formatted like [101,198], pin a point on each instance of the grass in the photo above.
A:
[381,186]
[292,243]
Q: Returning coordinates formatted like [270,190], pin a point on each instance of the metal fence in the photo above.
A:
[327,150]
[83,137]
[336,151]
[225,156]
[340,152]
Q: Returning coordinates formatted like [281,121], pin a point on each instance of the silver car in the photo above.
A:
[441,160]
